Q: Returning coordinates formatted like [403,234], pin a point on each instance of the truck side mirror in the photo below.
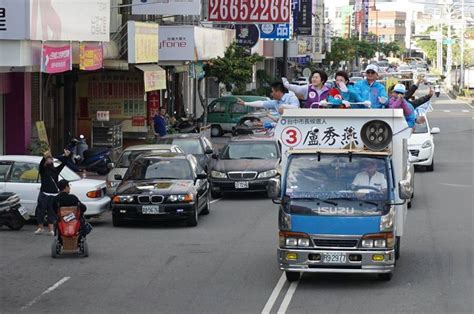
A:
[118,177]
[404,189]
[110,165]
[274,190]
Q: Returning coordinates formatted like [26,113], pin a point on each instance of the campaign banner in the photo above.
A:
[303,24]
[91,56]
[56,59]
[275,31]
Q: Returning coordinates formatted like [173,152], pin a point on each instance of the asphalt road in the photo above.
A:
[228,263]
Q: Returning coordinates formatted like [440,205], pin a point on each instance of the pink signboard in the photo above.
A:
[56,59]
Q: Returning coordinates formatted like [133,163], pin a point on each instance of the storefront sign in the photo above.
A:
[42,135]
[13,15]
[142,42]
[103,115]
[251,11]
[176,43]
[246,35]
[196,70]
[167,7]
[275,31]
[153,104]
[91,56]
[154,77]
[56,59]
[138,121]
[304,18]
[77,20]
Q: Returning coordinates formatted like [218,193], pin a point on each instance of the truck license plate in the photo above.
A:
[242,185]
[334,258]
[150,210]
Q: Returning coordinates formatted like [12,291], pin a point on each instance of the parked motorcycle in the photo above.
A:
[184,125]
[12,214]
[84,158]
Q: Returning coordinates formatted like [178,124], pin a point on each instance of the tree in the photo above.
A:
[390,48]
[234,69]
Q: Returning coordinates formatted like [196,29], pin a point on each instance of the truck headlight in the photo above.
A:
[426,144]
[386,221]
[378,240]
[267,174]
[294,239]
[218,174]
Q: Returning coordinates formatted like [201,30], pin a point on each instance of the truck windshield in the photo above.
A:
[338,184]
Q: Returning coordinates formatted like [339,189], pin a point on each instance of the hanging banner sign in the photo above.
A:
[303,25]
[275,31]
[56,59]
[250,11]
[91,56]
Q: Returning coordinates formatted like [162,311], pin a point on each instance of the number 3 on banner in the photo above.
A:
[291,136]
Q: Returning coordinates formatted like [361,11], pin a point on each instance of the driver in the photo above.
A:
[370,177]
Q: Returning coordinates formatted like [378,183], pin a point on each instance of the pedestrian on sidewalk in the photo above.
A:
[49,189]
[159,123]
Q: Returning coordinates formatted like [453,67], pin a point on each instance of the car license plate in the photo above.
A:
[242,185]
[150,210]
[23,212]
[334,258]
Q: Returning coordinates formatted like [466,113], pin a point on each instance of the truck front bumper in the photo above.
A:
[306,261]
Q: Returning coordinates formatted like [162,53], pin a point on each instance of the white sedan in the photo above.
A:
[19,174]
[421,145]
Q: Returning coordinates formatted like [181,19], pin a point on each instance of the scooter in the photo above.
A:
[84,158]
[12,214]
[68,236]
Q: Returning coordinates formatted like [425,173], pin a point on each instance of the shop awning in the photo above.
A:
[154,76]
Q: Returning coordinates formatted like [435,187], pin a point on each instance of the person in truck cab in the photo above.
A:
[370,177]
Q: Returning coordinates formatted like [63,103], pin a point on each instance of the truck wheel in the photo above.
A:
[292,276]
[397,248]
[216,131]
[386,276]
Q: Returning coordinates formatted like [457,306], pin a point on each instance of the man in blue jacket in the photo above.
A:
[371,90]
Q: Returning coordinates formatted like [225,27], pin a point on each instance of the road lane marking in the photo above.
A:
[214,201]
[446,110]
[457,185]
[288,296]
[50,289]
[465,110]
[273,297]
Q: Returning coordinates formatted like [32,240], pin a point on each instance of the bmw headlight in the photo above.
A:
[218,174]
[426,144]
[180,198]
[267,174]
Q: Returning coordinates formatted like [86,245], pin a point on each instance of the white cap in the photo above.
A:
[400,88]
[372,67]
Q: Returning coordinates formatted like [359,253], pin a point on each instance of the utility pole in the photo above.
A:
[284,69]
[461,83]
[449,53]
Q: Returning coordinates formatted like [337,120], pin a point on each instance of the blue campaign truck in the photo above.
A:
[342,191]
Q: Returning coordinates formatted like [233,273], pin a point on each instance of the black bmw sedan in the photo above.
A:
[162,186]
[245,164]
